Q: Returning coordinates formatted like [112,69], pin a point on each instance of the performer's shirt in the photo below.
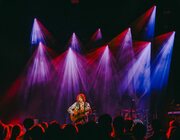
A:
[76,107]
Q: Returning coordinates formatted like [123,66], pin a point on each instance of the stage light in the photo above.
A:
[162,61]
[97,35]
[74,43]
[102,79]
[36,35]
[143,28]
[40,34]
[140,71]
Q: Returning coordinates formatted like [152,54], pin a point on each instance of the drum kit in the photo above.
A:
[132,114]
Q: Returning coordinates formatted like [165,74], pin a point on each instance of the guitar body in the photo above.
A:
[78,116]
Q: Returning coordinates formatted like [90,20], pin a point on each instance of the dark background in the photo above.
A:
[62,18]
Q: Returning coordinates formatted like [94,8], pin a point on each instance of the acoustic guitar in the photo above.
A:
[78,115]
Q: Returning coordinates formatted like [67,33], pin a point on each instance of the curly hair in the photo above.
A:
[82,95]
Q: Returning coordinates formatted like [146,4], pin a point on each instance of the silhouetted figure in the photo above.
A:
[70,132]
[173,130]
[105,127]
[53,132]
[139,131]
[44,125]
[36,132]
[3,131]
[16,131]
[118,125]
[158,133]
[89,131]
[128,124]
[119,129]
[28,123]
[175,134]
